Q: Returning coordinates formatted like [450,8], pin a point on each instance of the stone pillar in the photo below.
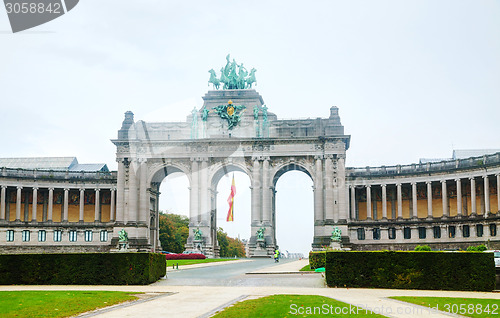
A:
[143,194]
[266,193]
[368,202]
[342,192]
[400,200]
[18,204]
[384,201]
[2,202]
[82,205]
[328,174]
[120,192]
[429,199]
[459,197]
[193,192]
[473,195]
[318,190]
[97,206]
[132,212]
[204,193]
[414,200]
[65,205]
[50,205]
[444,198]
[486,195]
[34,204]
[112,212]
[256,193]
[353,202]
[498,191]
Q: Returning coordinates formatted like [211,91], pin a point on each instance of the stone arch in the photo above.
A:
[221,169]
[159,172]
[291,166]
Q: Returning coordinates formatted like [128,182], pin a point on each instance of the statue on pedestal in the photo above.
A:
[198,234]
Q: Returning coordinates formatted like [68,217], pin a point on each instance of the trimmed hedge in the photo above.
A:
[82,269]
[411,270]
[317,259]
[185,256]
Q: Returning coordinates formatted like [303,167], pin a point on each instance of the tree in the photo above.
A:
[228,246]
[174,231]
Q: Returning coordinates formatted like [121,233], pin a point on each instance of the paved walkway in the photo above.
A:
[196,301]
[286,268]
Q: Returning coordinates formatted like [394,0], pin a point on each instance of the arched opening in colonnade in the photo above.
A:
[221,182]
[169,193]
[294,209]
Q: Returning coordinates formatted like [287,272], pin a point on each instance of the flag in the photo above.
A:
[230,200]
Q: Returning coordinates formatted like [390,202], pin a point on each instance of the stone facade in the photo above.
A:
[447,205]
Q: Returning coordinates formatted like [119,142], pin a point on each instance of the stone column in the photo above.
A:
[50,205]
[318,190]
[498,191]
[266,192]
[473,195]
[112,212]
[414,200]
[384,201]
[65,205]
[82,205]
[444,198]
[131,216]
[459,197]
[429,199]
[342,193]
[2,202]
[18,204]
[97,206]
[143,194]
[486,195]
[120,192]
[256,192]
[204,193]
[328,174]
[368,202]
[34,204]
[353,202]
[193,192]
[400,200]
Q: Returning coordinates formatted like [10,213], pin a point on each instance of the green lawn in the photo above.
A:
[307,268]
[469,307]
[56,303]
[171,262]
[293,306]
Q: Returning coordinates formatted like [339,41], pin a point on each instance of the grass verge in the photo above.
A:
[307,268]
[181,262]
[293,306]
[468,307]
[57,303]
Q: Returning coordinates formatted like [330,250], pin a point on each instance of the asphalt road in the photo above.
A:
[234,275]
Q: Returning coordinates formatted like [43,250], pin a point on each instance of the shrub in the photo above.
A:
[479,248]
[410,270]
[185,256]
[317,259]
[423,248]
[82,269]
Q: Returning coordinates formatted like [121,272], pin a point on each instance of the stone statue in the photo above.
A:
[197,234]
[256,112]
[122,236]
[336,235]
[260,233]
[233,76]
[204,114]
[194,124]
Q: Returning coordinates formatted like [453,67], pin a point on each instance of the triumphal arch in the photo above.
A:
[233,131]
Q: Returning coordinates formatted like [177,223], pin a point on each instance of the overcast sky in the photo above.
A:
[411,79]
